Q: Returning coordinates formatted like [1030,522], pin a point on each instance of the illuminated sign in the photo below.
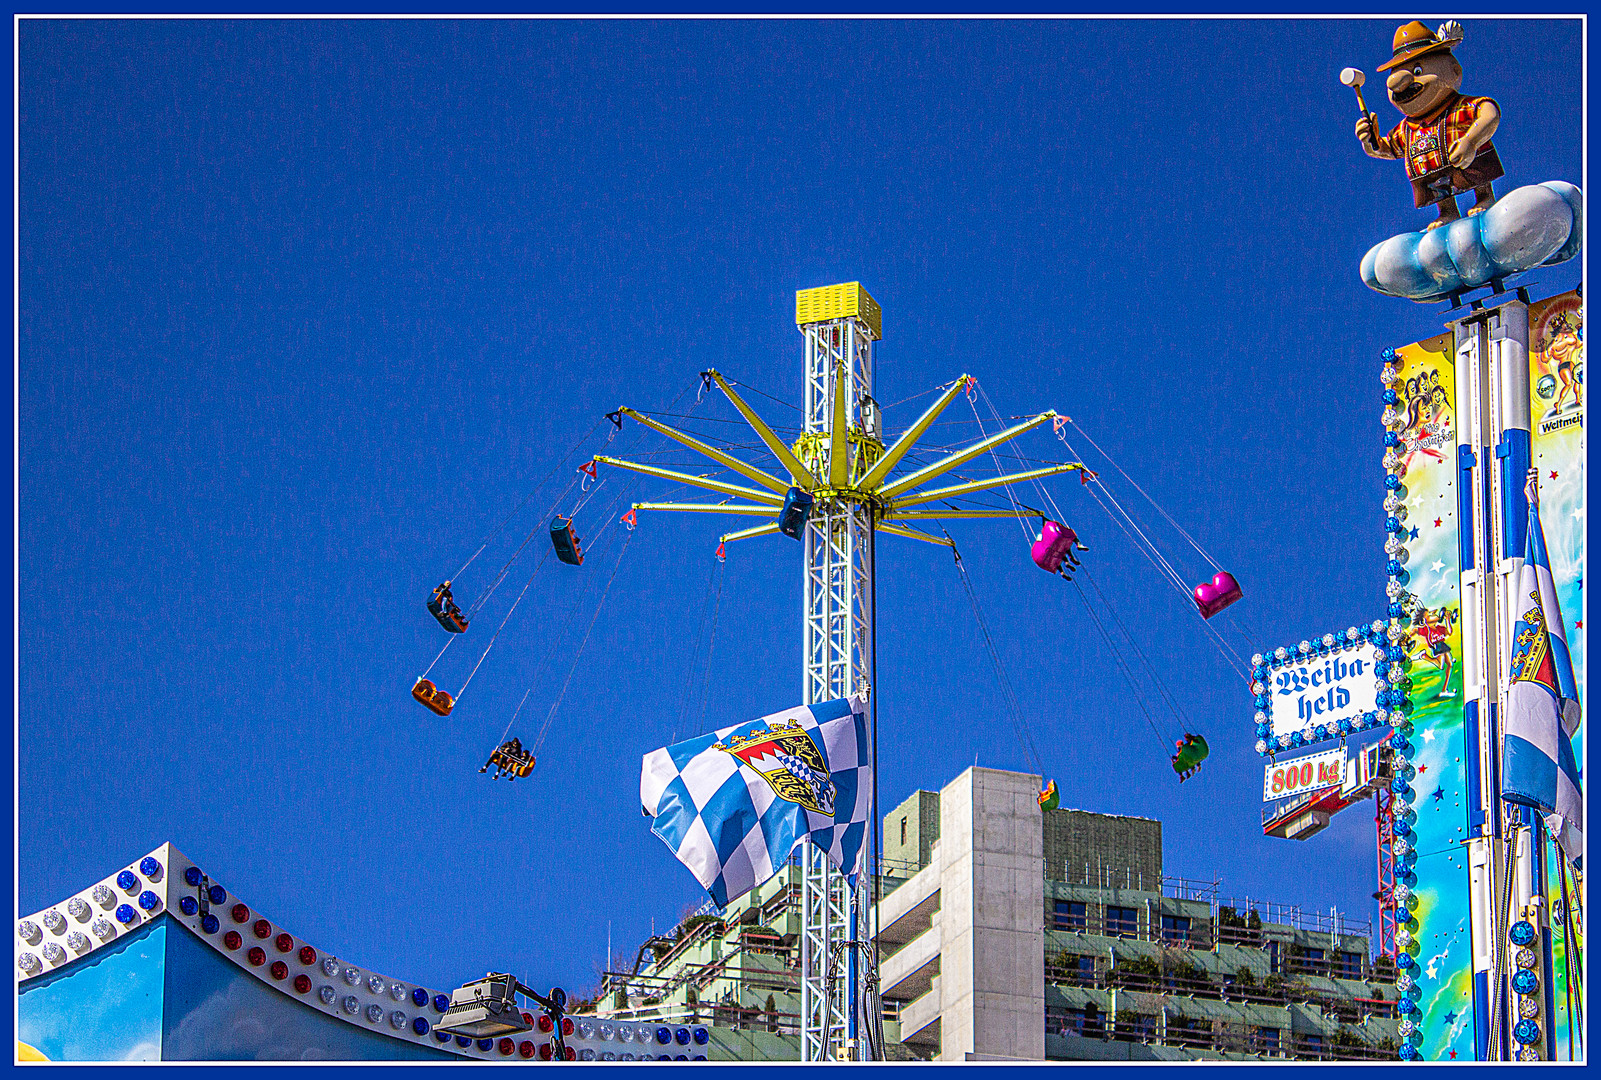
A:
[1283,779]
[1319,691]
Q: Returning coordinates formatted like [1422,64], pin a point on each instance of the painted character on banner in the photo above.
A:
[1432,632]
[1564,352]
[1426,402]
[1444,135]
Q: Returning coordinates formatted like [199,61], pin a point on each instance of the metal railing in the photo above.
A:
[730,1017]
[1228,924]
[1188,981]
[1217,1036]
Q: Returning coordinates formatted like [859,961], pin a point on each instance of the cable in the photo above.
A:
[711,643]
[1014,709]
[579,654]
[1167,695]
[1139,698]
[501,627]
[765,394]
[530,495]
[1007,488]
[483,597]
[514,715]
[1152,501]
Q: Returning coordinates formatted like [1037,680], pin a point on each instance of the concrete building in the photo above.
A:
[1007,933]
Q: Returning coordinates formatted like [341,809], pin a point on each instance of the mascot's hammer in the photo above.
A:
[1354,78]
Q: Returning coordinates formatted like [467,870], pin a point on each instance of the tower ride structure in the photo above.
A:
[841,467]
[1506,843]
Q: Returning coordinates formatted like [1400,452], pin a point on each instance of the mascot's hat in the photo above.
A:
[1413,40]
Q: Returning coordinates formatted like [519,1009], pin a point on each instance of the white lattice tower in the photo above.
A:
[837,651]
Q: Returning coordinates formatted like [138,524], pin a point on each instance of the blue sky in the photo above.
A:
[308,307]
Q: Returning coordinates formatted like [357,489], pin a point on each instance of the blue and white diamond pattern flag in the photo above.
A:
[1542,709]
[734,803]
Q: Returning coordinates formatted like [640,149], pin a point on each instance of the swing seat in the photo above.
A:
[510,760]
[436,700]
[797,508]
[1050,798]
[1054,544]
[1215,595]
[566,542]
[1192,750]
[443,608]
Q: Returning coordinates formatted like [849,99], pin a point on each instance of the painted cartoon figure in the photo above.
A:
[1444,136]
[1432,631]
[1565,349]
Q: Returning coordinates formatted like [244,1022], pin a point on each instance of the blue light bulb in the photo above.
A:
[187,905]
[192,875]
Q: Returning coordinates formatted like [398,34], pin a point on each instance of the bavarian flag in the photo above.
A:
[733,804]
[1542,706]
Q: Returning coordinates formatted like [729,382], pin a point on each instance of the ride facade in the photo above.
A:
[1482,894]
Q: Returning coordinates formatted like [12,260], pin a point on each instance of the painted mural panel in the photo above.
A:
[104,1007]
[1556,399]
[1435,809]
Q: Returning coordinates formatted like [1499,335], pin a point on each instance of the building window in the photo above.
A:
[1071,915]
[892,1010]
[1122,921]
[1082,1021]
[1265,1040]
[1312,1045]
[1135,1027]
[1176,929]
[903,832]
[1348,965]
[1188,1031]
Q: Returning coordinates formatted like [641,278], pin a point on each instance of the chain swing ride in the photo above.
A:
[1054,547]
[837,484]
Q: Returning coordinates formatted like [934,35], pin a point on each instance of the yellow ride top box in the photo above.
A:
[849,300]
